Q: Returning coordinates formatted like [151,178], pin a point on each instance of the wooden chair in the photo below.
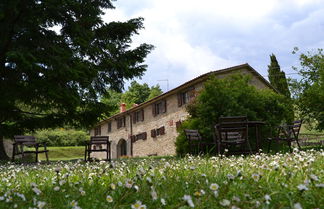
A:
[196,143]
[232,132]
[27,141]
[287,133]
[97,144]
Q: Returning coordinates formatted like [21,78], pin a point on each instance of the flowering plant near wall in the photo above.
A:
[294,180]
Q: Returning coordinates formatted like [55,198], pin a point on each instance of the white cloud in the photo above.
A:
[194,37]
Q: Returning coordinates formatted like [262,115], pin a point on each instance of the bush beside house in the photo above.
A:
[229,97]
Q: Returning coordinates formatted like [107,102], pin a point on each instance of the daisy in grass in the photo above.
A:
[189,201]
[225,202]
[138,205]
[109,198]
[214,187]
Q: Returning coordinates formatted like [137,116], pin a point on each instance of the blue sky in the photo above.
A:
[195,37]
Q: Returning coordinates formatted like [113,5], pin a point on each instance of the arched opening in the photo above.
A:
[121,148]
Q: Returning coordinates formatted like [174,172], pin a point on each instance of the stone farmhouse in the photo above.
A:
[150,128]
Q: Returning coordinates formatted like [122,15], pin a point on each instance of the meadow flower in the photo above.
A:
[230,176]
[225,202]
[163,201]
[41,204]
[302,187]
[136,188]
[313,177]
[129,183]
[37,191]
[255,177]
[149,180]
[61,182]
[109,198]
[22,196]
[216,193]
[137,205]
[189,201]
[214,187]
[236,198]
[267,199]
[197,194]
[153,194]
[297,206]
[57,188]
[319,185]
[112,186]
[2,198]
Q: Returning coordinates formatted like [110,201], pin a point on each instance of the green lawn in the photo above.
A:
[63,153]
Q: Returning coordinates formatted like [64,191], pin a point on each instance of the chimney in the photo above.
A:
[122,107]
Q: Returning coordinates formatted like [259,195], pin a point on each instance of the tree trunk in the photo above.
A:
[3,154]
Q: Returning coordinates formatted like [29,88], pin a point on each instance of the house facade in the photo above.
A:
[150,128]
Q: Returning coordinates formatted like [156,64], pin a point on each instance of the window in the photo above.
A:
[157,132]
[121,122]
[186,96]
[138,116]
[140,136]
[97,131]
[109,127]
[159,107]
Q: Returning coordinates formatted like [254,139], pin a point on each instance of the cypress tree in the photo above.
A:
[277,77]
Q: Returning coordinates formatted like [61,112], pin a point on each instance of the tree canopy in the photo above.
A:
[277,77]
[310,98]
[137,93]
[57,58]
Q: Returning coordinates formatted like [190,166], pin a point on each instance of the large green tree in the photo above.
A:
[57,58]
[310,98]
[277,77]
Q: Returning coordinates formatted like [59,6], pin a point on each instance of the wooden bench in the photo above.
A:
[27,141]
[97,144]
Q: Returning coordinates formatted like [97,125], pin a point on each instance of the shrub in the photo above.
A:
[62,137]
[233,95]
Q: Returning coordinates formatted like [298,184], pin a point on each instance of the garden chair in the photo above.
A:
[20,142]
[232,132]
[287,133]
[196,143]
[97,144]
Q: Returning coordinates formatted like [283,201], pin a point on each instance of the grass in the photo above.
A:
[290,180]
[63,153]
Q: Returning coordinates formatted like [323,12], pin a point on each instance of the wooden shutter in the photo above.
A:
[153,110]
[164,105]
[162,130]
[179,99]
[142,112]
[153,133]
[134,117]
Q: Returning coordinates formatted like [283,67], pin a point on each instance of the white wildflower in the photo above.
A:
[314,177]
[57,188]
[214,187]
[255,177]
[297,206]
[41,204]
[109,198]
[37,191]
[163,201]
[302,187]
[225,202]
[189,201]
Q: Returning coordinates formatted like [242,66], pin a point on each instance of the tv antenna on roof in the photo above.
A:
[167,80]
